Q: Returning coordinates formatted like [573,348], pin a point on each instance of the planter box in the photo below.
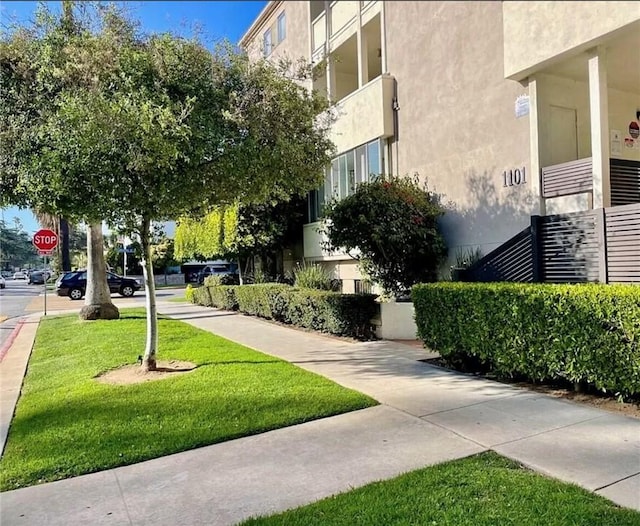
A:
[397,322]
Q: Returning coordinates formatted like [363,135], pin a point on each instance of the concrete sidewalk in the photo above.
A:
[428,415]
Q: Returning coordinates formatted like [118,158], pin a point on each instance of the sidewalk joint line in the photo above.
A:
[437,425]
[617,481]
[548,431]
[499,397]
[124,501]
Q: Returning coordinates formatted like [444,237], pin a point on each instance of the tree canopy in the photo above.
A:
[104,122]
[241,230]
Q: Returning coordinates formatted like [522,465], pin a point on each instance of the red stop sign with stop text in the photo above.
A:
[45,239]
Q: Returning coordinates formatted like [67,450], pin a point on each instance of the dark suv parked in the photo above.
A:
[224,270]
[74,284]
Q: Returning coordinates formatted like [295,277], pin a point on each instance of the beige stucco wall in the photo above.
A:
[457,124]
[539,32]
[297,42]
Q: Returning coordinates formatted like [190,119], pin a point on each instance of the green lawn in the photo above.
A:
[67,423]
[178,300]
[483,490]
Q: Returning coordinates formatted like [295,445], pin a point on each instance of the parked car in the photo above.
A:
[74,284]
[217,269]
[19,275]
[3,283]
[38,277]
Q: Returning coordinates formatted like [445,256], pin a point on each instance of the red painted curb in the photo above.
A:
[7,344]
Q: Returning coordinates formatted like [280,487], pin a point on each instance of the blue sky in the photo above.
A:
[217,20]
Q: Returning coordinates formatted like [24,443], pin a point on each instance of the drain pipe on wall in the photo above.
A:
[396,124]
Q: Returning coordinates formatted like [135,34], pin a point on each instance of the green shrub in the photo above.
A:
[312,276]
[201,296]
[582,333]
[392,224]
[224,297]
[188,293]
[212,281]
[332,312]
[325,311]
[260,300]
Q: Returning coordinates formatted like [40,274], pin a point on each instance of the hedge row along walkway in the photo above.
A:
[428,415]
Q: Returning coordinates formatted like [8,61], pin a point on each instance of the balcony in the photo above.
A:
[341,23]
[364,115]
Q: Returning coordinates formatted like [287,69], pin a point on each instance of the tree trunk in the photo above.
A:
[64,245]
[151,345]
[97,302]
[240,274]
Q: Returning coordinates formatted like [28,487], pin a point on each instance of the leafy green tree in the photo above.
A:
[163,254]
[391,226]
[241,231]
[148,127]
[16,248]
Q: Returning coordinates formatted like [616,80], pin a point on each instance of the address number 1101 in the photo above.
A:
[514,177]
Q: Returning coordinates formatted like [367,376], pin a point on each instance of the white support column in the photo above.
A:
[599,106]
[383,37]
[331,79]
[361,40]
[534,147]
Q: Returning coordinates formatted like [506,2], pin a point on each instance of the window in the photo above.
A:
[347,171]
[373,158]
[315,201]
[282,27]
[267,43]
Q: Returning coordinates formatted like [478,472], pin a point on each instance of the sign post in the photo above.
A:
[45,241]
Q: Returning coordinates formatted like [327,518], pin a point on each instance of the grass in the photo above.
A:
[178,300]
[483,490]
[67,424]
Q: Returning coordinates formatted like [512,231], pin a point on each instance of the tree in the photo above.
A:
[241,232]
[16,249]
[391,227]
[152,128]
[41,66]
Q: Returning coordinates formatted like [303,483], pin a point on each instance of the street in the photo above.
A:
[13,302]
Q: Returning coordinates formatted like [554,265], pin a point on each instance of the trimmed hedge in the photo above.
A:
[582,333]
[325,311]
[221,297]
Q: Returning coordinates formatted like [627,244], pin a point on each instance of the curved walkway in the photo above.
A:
[428,415]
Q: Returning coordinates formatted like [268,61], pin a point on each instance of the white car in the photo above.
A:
[19,275]
[3,283]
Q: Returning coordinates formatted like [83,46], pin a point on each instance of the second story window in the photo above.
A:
[282,27]
[267,43]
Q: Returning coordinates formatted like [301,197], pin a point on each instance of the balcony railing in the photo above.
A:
[342,13]
[576,177]
[319,31]
[573,177]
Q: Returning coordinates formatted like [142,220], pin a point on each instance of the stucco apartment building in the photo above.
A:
[507,109]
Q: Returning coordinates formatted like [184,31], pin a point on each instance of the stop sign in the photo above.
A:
[45,239]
